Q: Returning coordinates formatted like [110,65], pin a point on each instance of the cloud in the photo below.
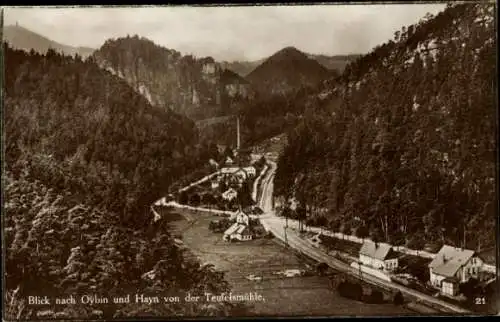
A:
[228,33]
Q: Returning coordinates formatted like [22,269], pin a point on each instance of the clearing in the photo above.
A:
[255,266]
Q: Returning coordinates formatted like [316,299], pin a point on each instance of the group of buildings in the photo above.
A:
[240,230]
[233,176]
[448,269]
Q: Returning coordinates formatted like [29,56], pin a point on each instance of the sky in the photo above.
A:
[228,33]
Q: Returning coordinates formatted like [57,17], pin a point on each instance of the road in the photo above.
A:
[276,225]
[309,295]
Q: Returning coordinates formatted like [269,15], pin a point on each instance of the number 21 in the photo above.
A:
[480,300]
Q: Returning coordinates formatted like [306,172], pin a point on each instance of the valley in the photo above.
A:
[303,182]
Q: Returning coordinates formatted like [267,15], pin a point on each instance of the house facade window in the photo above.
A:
[448,288]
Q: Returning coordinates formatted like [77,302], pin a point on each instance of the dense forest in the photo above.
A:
[196,87]
[335,63]
[261,118]
[85,156]
[405,149]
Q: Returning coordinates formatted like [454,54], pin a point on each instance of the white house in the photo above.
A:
[250,170]
[228,170]
[234,174]
[240,230]
[378,255]
[229,194]
[241,218]
[453,266]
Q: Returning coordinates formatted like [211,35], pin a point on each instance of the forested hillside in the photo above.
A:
[335,62]
[286,71]
[261,118]
[289,83]
[85,156]
[405,149]
[196,87]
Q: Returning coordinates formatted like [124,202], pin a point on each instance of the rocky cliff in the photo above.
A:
[195,87]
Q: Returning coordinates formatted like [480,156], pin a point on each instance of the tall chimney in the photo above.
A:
[238,134]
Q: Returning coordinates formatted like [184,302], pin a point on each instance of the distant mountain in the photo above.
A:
[287,70]
[21,38]
[242,68]
[199,88]
[336,62]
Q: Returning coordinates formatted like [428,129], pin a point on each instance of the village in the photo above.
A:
[228,191]
[462,277]
[456,275]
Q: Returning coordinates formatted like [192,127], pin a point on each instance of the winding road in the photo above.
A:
[276,225]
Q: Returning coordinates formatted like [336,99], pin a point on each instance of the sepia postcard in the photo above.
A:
[239,161]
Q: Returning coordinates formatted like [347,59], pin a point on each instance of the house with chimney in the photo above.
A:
[452,266]
[233,172]
[378,255]
[240,230]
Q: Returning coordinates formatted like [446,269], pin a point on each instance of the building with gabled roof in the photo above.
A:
[235,175]
[378,255]
[452,266]
[241,217]
[240,230]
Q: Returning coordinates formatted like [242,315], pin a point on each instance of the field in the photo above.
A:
[284,296]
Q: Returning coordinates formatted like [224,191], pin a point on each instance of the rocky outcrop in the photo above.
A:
[196,87]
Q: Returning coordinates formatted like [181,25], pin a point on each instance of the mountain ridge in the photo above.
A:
[196,87]
[23,38]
